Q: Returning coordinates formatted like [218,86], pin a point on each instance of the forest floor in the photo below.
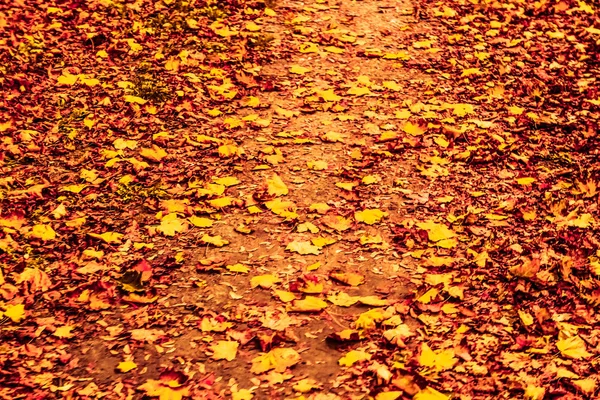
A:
[299,199]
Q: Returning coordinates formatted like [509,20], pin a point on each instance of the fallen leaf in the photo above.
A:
[224,350]
[278,359]
[126,366]
[352,357]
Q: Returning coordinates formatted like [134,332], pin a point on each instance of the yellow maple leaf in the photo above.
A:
[319,165]
[307,226]
[320,208]
[308,304]
[121,144]
[306,385]
[296,69]
[321,242]
[471,71]
[373,301]
[525,181]
[238,268]
[349,278]
[285,296]
[210,324]
[276,187]
[155,153]
[44,232]
[328,95]
[428,296]
[334,49]
[135,99]
[108,237]
[164,391]
[353,356]
[349,186]
[252,26]
[440,360]
[337,222]
[278,359]
[64,332]
[224,350]
[392,85]
[587,385]
[412,129]
[15,312]
[228,150]
[217,241]
[221,202]
[370,216]
[533,392]
[516,110]
[370,179]
[393,395]
[430,394]
[170,225]
[436,232]
[242,394]
[342,299]
[285,209]
[308,47]
[333,137]
[227,181]
[73,188]
[126,366]
[264,281]
[573,347]
[201,222]
[302,248]
[359,91]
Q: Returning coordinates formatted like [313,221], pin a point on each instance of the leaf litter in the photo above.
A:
[247,199]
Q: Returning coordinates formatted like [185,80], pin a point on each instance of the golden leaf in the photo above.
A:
[285,209]
[201,222]
[328,95]
[217,241]
[108,237]
[238,268]
[155,153]
[285,296]
[296,69]
[264,281]
[430,394]
[44,232]
[309,304]
[228,150]
[302,248]
[587,386]
[64,332]
[342,299]
[227,181]
[276,187]
[412,129]
[370,216]
[224,350]
[126,366]
[573,347]
[353,356]
[278,359]
[436,232]
[15,312]
[135,99]
[170,225]
[349,278]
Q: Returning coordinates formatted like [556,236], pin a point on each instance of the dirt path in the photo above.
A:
[299,200]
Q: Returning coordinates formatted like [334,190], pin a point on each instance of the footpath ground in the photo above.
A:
[299,200]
